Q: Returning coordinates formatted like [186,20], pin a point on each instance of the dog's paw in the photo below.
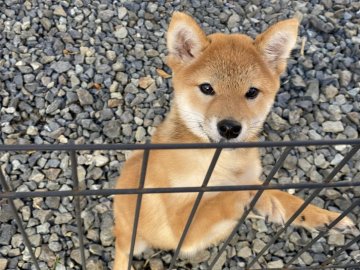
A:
[345,224]
[272,211]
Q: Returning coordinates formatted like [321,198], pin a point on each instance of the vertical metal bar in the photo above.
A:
[18,220]
[342,249]
[138,204]
[306,203]
[321,234]
[77,207]
[251,205]
[195,206]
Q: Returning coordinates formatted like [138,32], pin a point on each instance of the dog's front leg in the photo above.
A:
[279,206]
[121,255]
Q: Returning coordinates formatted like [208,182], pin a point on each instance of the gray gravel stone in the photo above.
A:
[43,228]
[290,163]
[345,77]
[52,173]
[5,213]
[321,162]
[298,81]
[106,235]
[122,11]
[6,233]
[75,255]
[313,90]
[112,129]
[54,106]
[304,164]
[258,245]
[3,263]
[321,26]
[277,123]
[46,23]
[63,218]
[95,173]
[81,173]
[336,239]
[100,160]
[59,11]
[61,66]
[47,255]
[233,21]
[42,215]
[140,134]
[156,264]
[276,264]
[53,202]
[121,32]
[94,264]
[106,15]
[111,55]
[244,252]
[74,81]
[85,97]
[333,126]
[36,176]
[294,116]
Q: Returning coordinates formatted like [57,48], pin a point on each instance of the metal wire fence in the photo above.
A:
[287,146]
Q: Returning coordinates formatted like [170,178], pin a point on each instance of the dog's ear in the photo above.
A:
[276,43]
[185,39]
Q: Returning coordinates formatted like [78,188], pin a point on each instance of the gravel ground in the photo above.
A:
[86,71]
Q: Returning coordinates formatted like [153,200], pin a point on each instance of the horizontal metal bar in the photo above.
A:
[195,206]
[138,205]
[321,234]
[93,147]
[251,205]
[108,192]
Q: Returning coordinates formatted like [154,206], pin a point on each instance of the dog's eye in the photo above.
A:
[252,93]
[207,89]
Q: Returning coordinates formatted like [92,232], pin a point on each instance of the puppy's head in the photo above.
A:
[225,85]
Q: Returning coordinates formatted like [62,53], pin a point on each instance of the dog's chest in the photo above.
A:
[232,168]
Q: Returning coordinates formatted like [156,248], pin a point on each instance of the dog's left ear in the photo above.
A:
[185,39]
[276,43]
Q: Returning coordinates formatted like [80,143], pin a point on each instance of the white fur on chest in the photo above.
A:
[232,168]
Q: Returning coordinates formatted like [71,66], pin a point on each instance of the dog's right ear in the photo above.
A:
[185,39]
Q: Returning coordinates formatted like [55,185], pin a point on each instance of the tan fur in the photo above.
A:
[231,64]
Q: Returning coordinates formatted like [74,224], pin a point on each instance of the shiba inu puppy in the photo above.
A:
[224,88]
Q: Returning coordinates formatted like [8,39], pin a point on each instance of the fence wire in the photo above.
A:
[10,195]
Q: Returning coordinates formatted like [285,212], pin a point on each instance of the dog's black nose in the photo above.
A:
[229,129]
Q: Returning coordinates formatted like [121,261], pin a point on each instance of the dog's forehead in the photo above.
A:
[233,58]
[234,52]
